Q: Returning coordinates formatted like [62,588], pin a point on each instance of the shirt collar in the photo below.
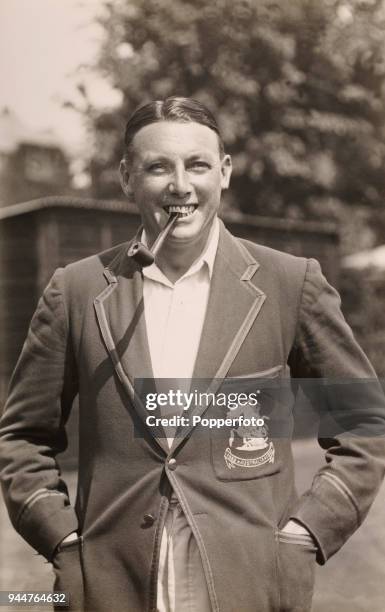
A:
[207,257]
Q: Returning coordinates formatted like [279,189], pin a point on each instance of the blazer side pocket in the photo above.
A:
[67,566]
[296,571]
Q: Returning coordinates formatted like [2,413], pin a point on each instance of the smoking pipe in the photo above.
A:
[145,256]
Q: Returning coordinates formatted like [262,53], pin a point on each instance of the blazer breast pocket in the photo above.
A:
[247,446]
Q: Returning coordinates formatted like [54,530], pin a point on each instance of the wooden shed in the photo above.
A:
[38,236]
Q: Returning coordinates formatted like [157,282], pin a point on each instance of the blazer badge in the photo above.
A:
[249,445]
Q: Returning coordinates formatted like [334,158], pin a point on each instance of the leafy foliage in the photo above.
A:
[363,295]
[298,89]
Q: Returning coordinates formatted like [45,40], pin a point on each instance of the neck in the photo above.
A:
[174,262]
[175,258]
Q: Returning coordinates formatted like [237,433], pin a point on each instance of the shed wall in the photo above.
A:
[18,289]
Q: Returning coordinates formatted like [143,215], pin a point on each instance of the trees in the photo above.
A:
[298,89]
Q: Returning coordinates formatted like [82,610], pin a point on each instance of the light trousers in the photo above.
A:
[182,585]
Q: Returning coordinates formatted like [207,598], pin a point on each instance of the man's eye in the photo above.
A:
[200,165]
[157,168]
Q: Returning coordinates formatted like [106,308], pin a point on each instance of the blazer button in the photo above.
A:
[149,519]
[172,463]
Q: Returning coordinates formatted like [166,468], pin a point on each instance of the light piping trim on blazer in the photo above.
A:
[344,490]
[33,498]
[265,373]
[250,317]
[108,339]
[241,335]
[253,265]
[110,344]
[250,271]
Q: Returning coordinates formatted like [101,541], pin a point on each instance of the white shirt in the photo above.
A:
[175,312]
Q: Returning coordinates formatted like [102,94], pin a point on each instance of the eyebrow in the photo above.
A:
[150,157]
[199,155]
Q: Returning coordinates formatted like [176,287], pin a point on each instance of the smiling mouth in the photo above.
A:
[184,210]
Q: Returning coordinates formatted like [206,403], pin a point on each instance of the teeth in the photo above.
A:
[182,210]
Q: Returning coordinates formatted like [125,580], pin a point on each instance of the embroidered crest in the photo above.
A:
[247,441]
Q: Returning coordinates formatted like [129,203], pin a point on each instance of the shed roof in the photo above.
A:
[122,206]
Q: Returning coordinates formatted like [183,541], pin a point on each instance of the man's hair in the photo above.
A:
[183,110]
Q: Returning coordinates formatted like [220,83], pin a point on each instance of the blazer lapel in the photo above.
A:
[120,313]
[234,303]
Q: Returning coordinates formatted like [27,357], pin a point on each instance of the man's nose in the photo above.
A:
[180,183]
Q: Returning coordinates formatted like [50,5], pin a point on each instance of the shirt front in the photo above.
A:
[175,312]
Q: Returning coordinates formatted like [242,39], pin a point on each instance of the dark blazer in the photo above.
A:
[270,316]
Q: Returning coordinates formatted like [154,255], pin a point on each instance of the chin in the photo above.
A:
[184,234]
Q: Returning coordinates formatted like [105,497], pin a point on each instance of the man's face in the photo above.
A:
[176,167]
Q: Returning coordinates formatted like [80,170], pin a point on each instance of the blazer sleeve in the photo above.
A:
[32,432]
[339,380]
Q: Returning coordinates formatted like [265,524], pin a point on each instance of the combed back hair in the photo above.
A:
[183,110]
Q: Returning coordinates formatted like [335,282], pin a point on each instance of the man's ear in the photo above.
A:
[124,173]
[226,169]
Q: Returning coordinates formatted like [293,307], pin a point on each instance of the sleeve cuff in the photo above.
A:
[328,515]
[44,524]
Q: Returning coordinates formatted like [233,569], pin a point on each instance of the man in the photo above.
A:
[185,519]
